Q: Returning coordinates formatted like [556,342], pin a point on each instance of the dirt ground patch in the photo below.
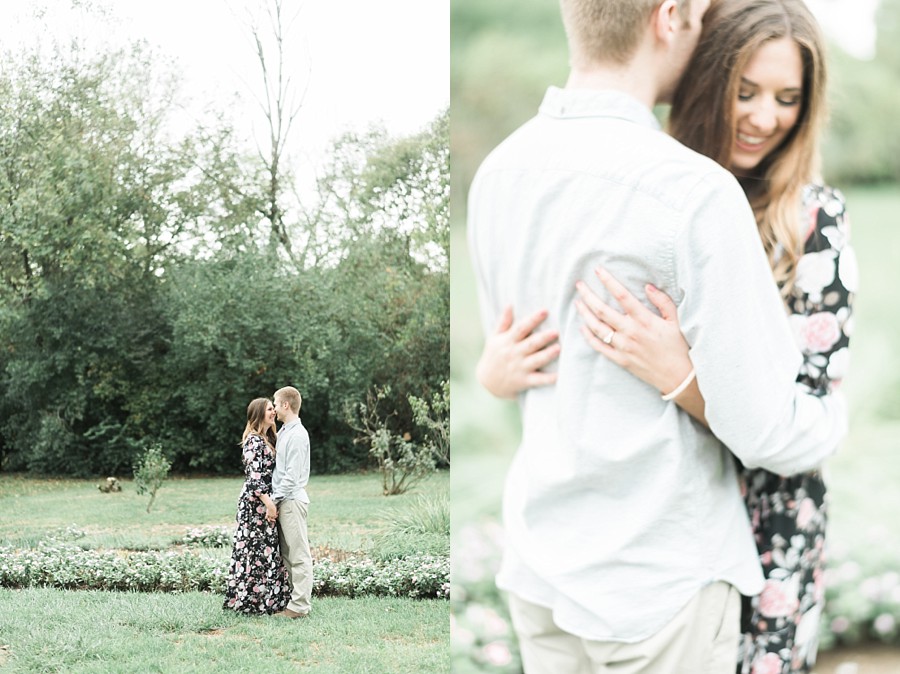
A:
[863,660]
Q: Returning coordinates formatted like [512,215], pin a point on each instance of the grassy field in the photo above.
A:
[47,630]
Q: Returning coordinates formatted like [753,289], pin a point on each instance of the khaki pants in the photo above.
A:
[701,639]
[295,552]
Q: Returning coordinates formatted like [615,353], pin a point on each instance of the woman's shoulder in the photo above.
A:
[826,198]
[253,441]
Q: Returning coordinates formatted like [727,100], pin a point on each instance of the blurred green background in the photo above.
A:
[504,53]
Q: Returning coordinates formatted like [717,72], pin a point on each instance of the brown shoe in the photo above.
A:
[288,613]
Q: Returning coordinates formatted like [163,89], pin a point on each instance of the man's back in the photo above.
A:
[618,507]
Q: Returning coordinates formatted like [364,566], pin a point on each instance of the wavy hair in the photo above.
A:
[256,422]
[702,115]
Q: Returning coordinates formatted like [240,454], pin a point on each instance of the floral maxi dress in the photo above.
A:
[780,630]
[257,579]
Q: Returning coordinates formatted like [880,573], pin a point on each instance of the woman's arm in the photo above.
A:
[514,354]
[254,449]
[649,346]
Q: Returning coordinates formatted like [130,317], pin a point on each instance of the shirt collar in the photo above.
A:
[576,103]
[290,424]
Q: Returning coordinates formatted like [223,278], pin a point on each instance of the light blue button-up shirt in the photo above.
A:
[618,507]
[291,474]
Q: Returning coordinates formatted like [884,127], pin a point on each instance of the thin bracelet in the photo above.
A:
[683,385]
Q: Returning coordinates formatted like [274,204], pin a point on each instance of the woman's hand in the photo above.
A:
[515,353]
[650,347]
[271,513]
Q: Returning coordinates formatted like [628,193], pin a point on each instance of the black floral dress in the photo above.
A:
[780,630]
[257,579]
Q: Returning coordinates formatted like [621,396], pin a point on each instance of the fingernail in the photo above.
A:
[651,288]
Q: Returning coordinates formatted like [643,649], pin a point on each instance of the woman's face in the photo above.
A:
[270,413]
[768,102]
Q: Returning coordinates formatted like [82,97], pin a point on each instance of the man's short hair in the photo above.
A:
[291,396]
[608,31]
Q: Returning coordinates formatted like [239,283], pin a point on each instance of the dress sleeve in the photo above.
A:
[254,460]
[821,303]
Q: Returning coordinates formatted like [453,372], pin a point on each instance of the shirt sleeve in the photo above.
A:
[824,289]
[742,345]
[254,457]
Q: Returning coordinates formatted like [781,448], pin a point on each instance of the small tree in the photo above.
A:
[150,472]
[402,462]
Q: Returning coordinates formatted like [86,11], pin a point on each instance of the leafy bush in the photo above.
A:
[150,472]
[402,462]
[209,537]
[62,565]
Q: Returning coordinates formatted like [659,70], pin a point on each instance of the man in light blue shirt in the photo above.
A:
[627,540]
[289,481]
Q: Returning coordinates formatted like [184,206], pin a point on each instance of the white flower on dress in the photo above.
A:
[815,272]
[833,203]
[838,363]
[837,236]
[848,270]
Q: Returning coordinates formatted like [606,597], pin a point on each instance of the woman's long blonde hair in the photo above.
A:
[702,115]
[256,422]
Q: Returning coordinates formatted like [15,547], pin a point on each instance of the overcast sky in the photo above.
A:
[361,61]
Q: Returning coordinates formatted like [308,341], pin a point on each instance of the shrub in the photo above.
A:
[209,537]
[150,472]
[422,529]
[63,565]
[402,462]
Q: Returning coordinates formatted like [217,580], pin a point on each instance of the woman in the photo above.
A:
[753,99]
[257,579]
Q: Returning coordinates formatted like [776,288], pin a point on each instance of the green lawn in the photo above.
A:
[48,630]
[67,631]
[345,513]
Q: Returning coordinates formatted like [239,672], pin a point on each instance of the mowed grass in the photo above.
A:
[346,512]
[68,631]
[49,630]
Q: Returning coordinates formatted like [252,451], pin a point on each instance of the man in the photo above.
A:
[289,481]
[627,539]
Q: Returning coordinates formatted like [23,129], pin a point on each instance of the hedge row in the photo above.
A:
[70,567]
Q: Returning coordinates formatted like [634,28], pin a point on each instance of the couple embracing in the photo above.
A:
[665,509]
[271,564]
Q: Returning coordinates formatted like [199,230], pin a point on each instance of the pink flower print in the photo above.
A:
[778,599]
[805,513]
[820,332]
[770,663]
[254,475]
[268,551]
[240,545]
[260,509]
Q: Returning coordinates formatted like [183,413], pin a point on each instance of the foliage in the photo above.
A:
[143,300]
[433,416]
[402,462]
[209,537]
[424,527]
[150,472]
[63,565]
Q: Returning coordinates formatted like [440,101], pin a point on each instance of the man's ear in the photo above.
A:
[665,21]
